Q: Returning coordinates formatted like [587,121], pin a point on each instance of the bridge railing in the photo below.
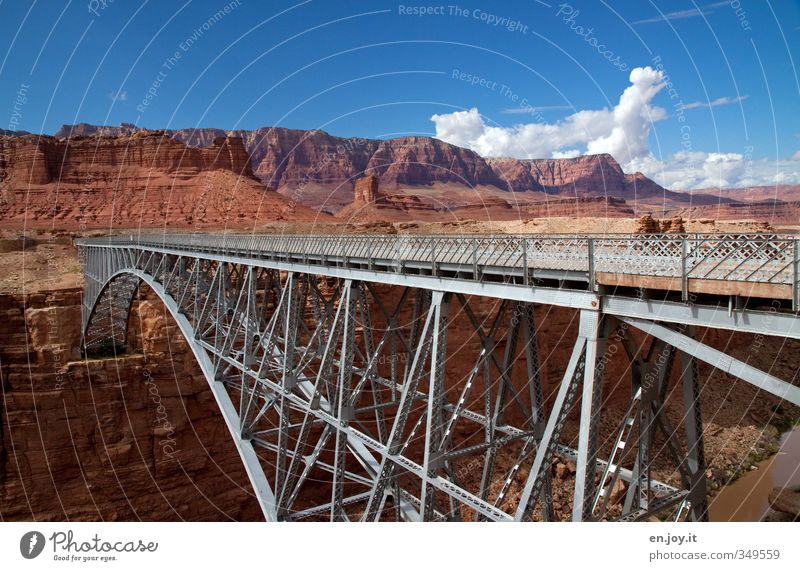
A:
[754,258]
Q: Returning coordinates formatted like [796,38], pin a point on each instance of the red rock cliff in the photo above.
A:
[141,179]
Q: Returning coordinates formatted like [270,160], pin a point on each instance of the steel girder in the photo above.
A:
[338,397]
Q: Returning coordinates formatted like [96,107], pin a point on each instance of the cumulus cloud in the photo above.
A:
[697,169]
[622,131]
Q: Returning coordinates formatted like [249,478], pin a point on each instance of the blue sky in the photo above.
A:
[538,75]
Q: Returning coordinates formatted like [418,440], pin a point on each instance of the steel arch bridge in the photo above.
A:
[338,398]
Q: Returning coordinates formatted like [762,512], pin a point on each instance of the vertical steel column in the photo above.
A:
[591,401]
[685,269]
[503,385]
[538,418]
[288,381]
[432,461]
[796,276]
[695,450]
[344,410]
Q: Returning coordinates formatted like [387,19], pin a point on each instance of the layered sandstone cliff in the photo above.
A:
[143,179]
[587,175]
[290,158]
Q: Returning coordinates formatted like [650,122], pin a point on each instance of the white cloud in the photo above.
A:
[716,103]
[683,14]
[622,131]
[118,96]
[795,157]
[694,170]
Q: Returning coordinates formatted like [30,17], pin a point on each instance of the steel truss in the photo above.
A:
[339,400]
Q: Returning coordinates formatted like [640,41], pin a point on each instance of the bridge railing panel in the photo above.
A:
[762,258]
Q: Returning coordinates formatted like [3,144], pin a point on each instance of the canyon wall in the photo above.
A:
[134,438]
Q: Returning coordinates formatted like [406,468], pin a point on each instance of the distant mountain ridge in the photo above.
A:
[289,158]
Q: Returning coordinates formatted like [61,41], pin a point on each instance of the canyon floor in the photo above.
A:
[80,439]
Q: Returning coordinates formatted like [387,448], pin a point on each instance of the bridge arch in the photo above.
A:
[122,285]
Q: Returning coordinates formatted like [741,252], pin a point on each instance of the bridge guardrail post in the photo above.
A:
[474,244]
[433,257]
[685,269]
[590,243]
[525,278]
[796,277]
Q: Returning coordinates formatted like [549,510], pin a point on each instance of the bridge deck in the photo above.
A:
[763,266]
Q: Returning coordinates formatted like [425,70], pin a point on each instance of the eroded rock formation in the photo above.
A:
[143,179]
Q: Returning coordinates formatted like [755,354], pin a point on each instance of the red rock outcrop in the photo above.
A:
[289,157]
[143,179]
[366,191]
[647,225]
[674,225]
[39,160]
